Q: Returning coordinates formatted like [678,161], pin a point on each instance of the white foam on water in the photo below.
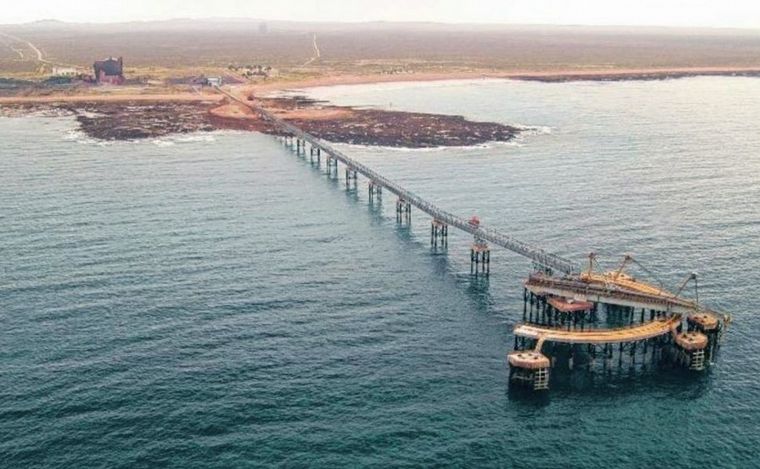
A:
[480,146]
[533,129]
[349,146]
[204,137]
[199,137]
[90,114]
[78,136]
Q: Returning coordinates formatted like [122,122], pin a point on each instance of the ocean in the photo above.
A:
[214,301]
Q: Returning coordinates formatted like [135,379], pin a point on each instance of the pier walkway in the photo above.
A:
[570,284]
[569,296]
[640,332]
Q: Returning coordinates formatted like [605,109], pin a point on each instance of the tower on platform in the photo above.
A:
[690,350]
[529,368]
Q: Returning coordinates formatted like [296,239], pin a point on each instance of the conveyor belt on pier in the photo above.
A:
[610,294]
[642,331]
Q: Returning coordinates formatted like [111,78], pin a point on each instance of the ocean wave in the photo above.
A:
[206,137]
[15,113]
[350,146]
[479,146]
[533,129]
[201,137]
[78,136]
[90,114]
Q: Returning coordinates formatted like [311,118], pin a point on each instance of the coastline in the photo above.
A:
[526,75]
[125,114]
[621,74]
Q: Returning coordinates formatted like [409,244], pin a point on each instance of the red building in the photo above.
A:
[109,71]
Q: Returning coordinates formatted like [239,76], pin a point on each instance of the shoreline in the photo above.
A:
[554,76]
[118,120]
[526,75]
[126,114]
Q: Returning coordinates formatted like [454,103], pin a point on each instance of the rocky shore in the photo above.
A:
[378,127]
[111,121]
[131,120]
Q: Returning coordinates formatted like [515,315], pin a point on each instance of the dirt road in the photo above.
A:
[37,51]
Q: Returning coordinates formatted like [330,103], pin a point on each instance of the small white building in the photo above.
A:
[65,72]
[214,81]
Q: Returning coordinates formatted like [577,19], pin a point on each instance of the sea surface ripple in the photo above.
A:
[218,302]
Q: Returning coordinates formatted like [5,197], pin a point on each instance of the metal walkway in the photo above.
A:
[536,254]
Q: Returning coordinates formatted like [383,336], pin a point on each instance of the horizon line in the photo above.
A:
[389,22]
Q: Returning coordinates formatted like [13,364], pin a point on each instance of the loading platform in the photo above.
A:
[565,303]
[609,293]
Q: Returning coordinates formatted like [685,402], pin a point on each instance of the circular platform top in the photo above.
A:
[528,359]
[707,321]
[691,341]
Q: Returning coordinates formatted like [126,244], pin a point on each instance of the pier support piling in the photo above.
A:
[331,164]
[480,257]
[351,176]
[374,189]
[403,211]
[439,233]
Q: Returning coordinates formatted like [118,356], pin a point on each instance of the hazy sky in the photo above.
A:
[718,13]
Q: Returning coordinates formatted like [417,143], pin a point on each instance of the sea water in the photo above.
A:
[215,301]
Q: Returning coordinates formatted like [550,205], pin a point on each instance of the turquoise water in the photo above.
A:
[214,301]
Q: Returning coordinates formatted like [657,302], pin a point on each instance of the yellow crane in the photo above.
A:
[620,279]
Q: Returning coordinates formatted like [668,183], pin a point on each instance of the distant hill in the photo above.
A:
[218,42]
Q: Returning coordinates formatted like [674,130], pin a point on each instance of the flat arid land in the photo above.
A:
[165,63]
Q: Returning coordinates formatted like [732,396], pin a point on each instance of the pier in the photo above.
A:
[565,310]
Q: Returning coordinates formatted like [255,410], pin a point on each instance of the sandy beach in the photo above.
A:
[563,75]
[273,86]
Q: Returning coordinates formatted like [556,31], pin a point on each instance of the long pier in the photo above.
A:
[539,256]
[559,305]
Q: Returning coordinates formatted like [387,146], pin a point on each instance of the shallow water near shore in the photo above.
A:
[218,302]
